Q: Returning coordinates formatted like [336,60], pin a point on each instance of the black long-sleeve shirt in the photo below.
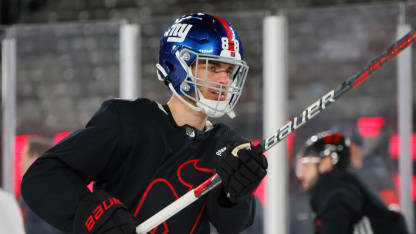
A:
[343,205]
[136,151]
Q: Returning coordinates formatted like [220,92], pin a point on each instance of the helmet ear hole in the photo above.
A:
[170,65]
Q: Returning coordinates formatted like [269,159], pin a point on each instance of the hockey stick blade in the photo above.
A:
[290,126]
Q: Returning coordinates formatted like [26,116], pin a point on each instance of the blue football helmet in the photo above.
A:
[197,40]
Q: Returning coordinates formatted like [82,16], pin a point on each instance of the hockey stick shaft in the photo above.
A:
[290,126]
[329,98]
[176,206]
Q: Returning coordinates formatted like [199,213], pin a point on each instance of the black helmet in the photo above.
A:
[330,144]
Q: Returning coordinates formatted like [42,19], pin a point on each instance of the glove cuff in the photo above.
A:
[94,211]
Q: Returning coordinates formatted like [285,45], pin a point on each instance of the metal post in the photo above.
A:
[9,111]
[275,114]
[130,84]
[404,74]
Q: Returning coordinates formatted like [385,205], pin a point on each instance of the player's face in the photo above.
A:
[356,156]
[213,72]
[307,171]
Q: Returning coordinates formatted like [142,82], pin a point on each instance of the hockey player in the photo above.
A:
[342,204]
[143,155]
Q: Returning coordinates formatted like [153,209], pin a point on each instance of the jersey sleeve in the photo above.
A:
[56,182]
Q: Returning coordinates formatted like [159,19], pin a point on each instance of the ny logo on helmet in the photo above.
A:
[178,32]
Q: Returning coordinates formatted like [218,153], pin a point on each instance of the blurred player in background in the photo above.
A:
[341,203]
[367,163]
[35,146]
[145,155]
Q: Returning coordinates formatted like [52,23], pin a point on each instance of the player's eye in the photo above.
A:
[231,71]
[212,68]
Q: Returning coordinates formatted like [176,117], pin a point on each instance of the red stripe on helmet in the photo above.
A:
[228,31]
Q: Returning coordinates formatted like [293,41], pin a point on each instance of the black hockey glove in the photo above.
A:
[101,213]
[242,174]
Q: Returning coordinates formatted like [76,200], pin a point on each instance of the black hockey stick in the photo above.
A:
[291,126]
[329,98]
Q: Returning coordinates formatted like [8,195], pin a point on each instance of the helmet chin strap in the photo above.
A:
[202,107]
[231,114]
[205,104]
[195,108]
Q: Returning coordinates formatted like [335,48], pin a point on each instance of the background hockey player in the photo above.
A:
[342,204]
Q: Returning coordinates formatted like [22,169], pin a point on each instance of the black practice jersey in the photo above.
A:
[343,205]
[135,151]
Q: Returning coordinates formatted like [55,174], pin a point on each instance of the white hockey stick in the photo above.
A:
[291,126]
